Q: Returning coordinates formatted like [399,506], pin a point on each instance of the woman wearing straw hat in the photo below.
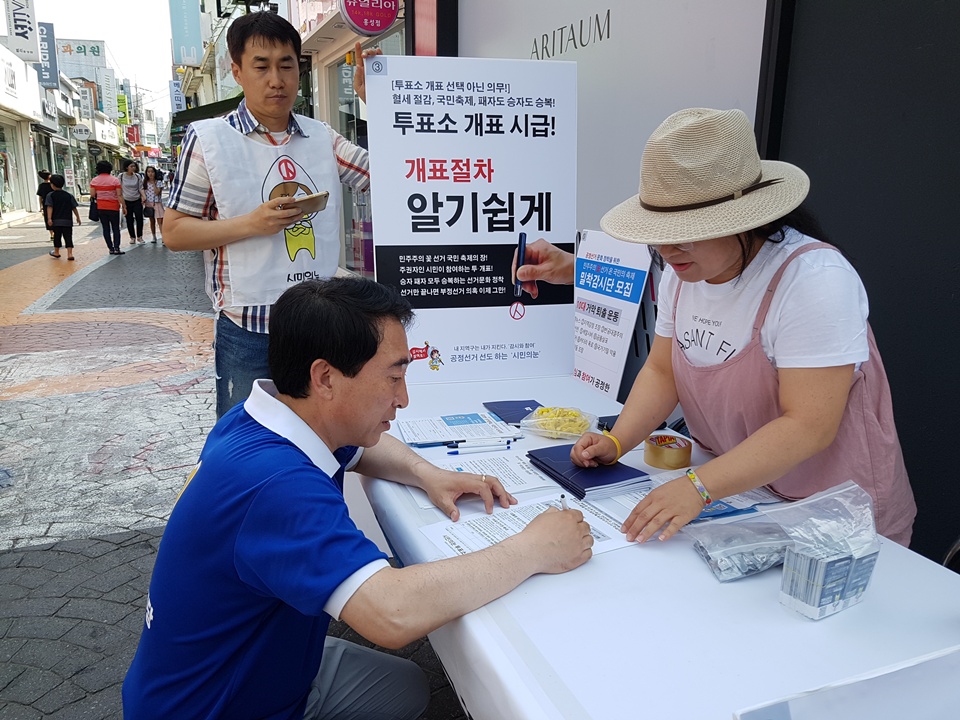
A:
[761,336]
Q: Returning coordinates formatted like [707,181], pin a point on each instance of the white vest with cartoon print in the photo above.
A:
[245,173]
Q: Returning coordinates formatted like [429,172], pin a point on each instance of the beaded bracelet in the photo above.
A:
[704,495]
[617,443]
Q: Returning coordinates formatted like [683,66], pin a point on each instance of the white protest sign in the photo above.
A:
[465,156]
[609,280]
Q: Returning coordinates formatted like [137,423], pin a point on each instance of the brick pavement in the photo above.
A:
[106,394]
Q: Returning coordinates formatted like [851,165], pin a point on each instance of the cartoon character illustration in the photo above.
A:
[287,178]
[435,361]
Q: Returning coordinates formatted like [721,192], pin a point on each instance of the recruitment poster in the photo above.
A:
[609,279]
[469,159]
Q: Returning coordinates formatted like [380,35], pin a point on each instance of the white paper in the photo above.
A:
[513,470]
[451,428]
[465,155]
[478,531]
[741,501]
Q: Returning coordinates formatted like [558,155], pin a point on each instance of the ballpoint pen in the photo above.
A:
[521,257]
[489,442]
[563,502]
[467,450]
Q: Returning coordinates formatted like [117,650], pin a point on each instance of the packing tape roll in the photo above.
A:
[668,452]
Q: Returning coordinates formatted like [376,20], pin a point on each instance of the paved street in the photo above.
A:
[106,395]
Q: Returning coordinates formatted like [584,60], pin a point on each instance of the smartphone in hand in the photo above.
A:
[310,204]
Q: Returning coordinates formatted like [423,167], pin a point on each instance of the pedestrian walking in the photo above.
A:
[43,189]
[153,207]
[61,208]
[105,191]
[131,181]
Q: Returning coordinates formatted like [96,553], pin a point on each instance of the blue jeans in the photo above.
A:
[240,357]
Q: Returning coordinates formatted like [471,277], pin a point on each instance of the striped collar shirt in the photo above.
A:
[192,194]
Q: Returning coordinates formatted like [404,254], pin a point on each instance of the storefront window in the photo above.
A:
[11,197]
[349,119]
[41,152]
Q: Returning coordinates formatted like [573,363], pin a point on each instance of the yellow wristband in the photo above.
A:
[619,448]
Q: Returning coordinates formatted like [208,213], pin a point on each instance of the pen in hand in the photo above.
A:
[521,252]
[563,502]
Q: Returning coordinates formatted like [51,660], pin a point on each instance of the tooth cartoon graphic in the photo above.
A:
[287,177]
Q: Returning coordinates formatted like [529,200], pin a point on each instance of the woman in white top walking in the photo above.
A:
[131,184]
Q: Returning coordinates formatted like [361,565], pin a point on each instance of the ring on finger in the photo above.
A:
[483,478]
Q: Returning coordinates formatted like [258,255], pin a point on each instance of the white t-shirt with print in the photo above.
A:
[818,317]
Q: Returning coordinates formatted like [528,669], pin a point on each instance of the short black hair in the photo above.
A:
[268,26]
[44,174]
[339,320]
[58,181]
[104,166]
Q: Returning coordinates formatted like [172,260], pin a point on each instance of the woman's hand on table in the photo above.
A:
[445,487]
[593,449]
[670,506]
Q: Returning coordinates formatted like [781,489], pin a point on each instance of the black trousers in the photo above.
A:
[135,218]
[110,222]
[64,235]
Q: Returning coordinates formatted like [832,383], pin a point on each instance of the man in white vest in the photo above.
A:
[229,198]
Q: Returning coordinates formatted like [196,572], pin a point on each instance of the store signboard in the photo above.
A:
[185,28]
[370,17]
[81,132]
[123,114]
[468,156]
[22,37]
[81,58]
[48,71]
[177,100]
[107,82]
[86,102]
[609,281]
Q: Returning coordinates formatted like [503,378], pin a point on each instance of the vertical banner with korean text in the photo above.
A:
[609,280]
[467,156]
[22,38]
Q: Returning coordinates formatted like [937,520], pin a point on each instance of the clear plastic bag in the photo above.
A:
[735,550]
[559,422]
[834,550]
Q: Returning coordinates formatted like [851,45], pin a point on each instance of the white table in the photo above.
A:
[647,631]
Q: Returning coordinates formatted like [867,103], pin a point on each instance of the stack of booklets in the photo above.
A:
[585,483]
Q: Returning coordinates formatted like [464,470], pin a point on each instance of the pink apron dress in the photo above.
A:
[724,404]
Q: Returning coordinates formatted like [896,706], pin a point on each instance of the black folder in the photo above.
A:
[585,483]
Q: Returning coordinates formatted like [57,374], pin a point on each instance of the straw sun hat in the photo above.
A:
[700,178]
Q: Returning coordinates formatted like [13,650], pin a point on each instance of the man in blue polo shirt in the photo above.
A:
[260,551]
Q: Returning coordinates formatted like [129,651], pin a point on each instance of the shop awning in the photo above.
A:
[180,120]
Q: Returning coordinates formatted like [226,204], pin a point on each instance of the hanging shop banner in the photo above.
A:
[107,82]
[609,280]
[470,159]
[185,28]
[22,38]
[87,102]
[48,73]
[177,100]
[370,17]
[123,114]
